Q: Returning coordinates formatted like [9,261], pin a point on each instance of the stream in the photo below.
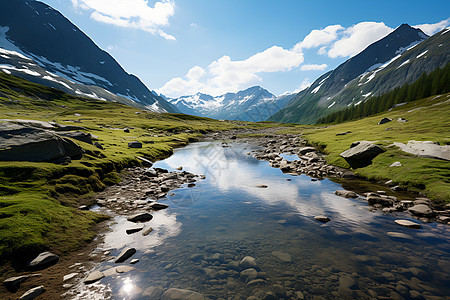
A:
[198,242]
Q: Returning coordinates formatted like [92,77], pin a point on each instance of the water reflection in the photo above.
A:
[212,226]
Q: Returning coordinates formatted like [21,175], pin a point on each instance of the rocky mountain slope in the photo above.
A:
[39,44]
[399,58]
[253,104]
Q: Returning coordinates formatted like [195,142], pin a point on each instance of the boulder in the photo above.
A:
[408,223]
[383,201]
[33,293]
[427,149]
[99,146]
[384,120]
[93,277]
[181,294]
[153,293]
[144,217]
[346,194]
[362,154]
[322,219]
[125,254]
[24,143]
[77,135]
[147,231]
[134,230]
[43,260]
[12,284]
[248,274]
[158,206]
[248,262]
[396,164]
[421,210]
[305,150]
[135,144]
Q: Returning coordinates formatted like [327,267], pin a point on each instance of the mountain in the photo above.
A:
[361,76]
[39,44]
[253,104]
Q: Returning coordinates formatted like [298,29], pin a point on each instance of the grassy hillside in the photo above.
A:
[38,201]
[428,120]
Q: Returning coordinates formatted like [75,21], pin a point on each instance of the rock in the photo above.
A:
[134,230]
[256,282]
[248,262]
[248,274]
[70,276]
[99,146]
[426,149]
[402,120]
[408,223]
[43,260]
[346,194]
[348,174]
[33,293]
[323,219]
[93,277]
[262,186]
[380,200]
[153,293]
[125,254]
[181,294]
[22,143]
[135,144]
[286,257]
[305,150]
[77,135]
[346,282]
[124,269]
[396,164]
[144,217]
[421,210]
[147,231]
[343,133]
[158,206]
[126,130]
[12,284]
[384,120]
[362,154]
[134,261]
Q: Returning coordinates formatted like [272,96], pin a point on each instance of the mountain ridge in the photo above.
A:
[313,102]
[73,55]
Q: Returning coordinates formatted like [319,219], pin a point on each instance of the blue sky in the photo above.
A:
[180,47]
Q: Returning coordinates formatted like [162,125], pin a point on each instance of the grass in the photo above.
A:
[428,120]
[38,201]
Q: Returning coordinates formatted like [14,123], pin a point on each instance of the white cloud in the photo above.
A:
[225,75]
[431,29]
[313,67]
[131,13]
[357,37]
[319,37]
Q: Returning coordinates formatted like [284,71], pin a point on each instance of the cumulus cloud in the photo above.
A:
[319,37]
[226,75]
[357,37]
[431,29]
[131,13]
[314,67]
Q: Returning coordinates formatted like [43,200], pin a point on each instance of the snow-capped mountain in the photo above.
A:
[39,44]
[362,76]
[253,104]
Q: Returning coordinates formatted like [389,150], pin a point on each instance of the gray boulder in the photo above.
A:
[181,294]
[362,154]
[125,254]
[144,217]
[346,194]
[77,135]
[12,284]
[421,210]
[45,259]
[33,293]
[24,143]
[384,120]
[248,262]
[383,201]
[135,144]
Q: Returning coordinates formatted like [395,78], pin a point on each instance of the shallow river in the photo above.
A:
[197,241]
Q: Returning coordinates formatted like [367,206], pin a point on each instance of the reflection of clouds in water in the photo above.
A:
[229,169]
[164,225]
